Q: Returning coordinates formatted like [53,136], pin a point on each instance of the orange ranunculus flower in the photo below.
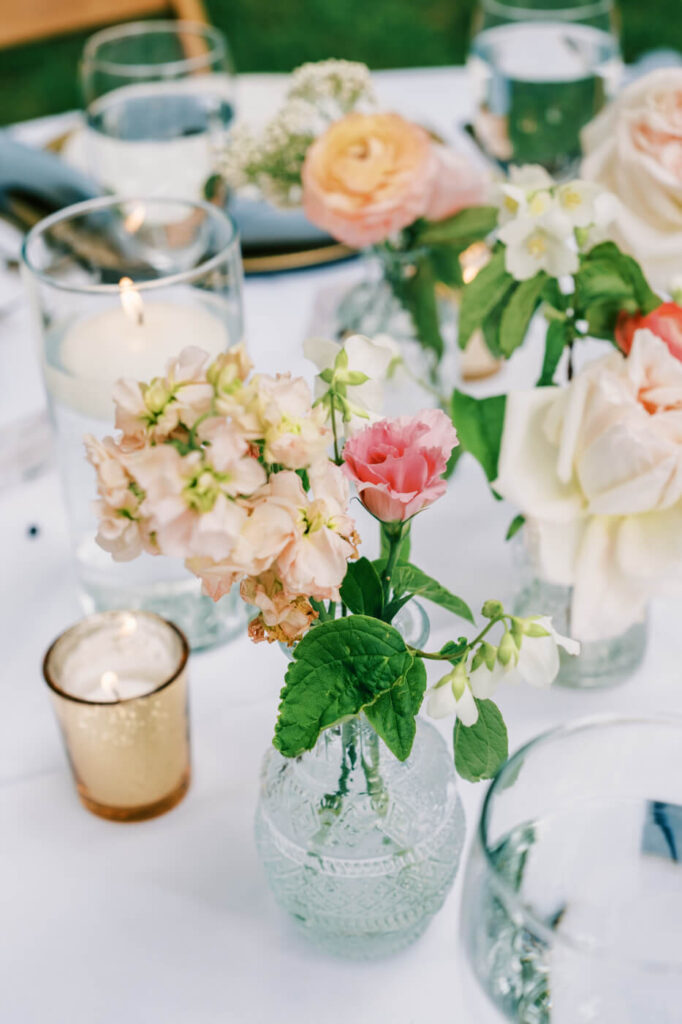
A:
[368,176]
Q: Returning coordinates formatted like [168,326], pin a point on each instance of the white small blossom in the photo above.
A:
[375,358]
[452,696]
[537,662]
[543,242]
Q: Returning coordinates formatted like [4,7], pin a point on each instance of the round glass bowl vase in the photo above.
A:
[361,849]
[601,663]
[159,100]
[572,896]
[118,288]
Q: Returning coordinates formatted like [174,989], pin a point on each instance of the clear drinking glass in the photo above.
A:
[118,288]
[573,889]
[159,99]
[541,69]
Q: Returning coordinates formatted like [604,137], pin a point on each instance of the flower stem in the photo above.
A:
[438,656]
[394,534]
[332,413]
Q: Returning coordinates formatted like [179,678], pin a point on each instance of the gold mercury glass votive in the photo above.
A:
[118,683]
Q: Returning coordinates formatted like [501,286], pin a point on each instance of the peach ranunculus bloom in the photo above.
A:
[397,465]
[370,175]
[634,149]
[596,468]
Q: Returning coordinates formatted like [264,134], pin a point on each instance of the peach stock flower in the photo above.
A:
[282,616]
[397,465]
[665,322]
[367,177]
[596,468]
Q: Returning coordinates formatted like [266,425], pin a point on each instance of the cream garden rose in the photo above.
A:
[634,148]
[596,468]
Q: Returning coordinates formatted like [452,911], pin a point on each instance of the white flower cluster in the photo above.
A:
[544,225]
[528,652]
[269,162]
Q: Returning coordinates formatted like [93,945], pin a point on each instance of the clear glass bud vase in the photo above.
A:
[360,848]
[386,301]
[601,663]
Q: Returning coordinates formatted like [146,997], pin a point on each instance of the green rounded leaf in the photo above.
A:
[343,667]
[481,749]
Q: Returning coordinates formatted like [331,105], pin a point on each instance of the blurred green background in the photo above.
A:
[276,35]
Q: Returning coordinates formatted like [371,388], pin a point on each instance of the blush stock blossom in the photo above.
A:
[205,469]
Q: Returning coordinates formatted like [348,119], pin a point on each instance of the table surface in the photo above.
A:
[171,920]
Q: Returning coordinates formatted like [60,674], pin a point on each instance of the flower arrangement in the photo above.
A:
[373,180]
[269,162]
[231,471]
[551,251]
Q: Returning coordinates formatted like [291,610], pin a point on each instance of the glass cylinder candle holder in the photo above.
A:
[159,100]
[118,288]
[118,683]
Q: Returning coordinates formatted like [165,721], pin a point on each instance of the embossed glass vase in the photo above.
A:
[601,663]
[360,848]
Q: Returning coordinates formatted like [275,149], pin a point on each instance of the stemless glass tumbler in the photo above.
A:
[540,70]
[159,99]
[573,889]
[118,288]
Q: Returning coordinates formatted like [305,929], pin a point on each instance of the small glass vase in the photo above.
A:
[360,848]
[601,663]
[374,307]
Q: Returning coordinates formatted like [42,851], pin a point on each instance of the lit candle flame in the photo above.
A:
[135,219]
[128,624]
[131,300]
[109,682]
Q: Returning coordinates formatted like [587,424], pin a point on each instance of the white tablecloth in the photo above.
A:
[170,921]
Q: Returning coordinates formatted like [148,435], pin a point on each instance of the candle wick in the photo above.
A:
[140,318]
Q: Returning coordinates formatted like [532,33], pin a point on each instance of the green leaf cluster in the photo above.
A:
[341,668]
[479,424]
[608,283]
[500,306]
[437,249]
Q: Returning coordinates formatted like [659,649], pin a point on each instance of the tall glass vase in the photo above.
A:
[360,848]
[601,663]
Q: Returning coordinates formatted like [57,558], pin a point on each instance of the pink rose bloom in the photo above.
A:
[397,465]
[368,176]
[456,185]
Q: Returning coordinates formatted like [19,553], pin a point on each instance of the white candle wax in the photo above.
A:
[97,351]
